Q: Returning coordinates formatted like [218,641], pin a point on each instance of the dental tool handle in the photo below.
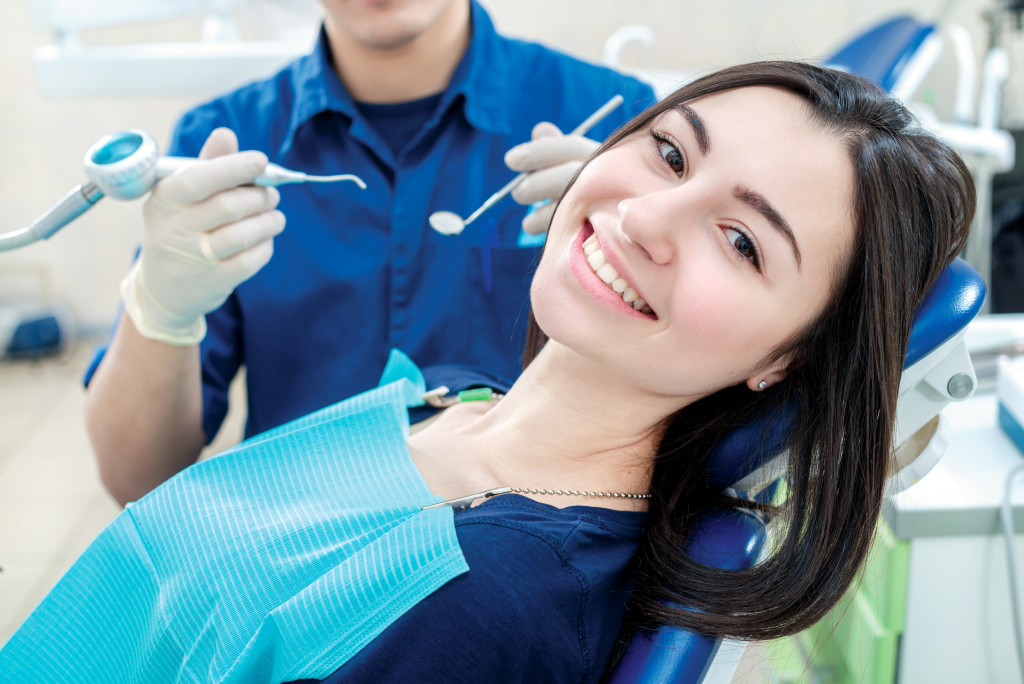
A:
[165,166]
[601,112]
[79,200]
[272,176]
[496,197]
[72,205]
[588,123]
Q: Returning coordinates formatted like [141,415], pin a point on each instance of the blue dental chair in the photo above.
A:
[936,356]
[895,54]
[937,371]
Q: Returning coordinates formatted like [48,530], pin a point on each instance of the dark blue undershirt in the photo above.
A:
[398,123]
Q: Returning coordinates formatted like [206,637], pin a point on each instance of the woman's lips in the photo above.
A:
[616,291]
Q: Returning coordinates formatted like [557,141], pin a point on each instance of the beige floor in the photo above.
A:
[51,500]
[52,503]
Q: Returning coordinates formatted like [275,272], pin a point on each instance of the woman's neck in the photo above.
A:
[564,425]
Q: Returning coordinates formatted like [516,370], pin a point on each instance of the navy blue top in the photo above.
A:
[359,272]
[397,123]
[543,600]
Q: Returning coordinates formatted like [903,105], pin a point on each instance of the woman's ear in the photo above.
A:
[771,375]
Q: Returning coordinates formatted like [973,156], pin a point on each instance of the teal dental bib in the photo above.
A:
[277,560]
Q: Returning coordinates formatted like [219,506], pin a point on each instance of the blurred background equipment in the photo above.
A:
[237,41]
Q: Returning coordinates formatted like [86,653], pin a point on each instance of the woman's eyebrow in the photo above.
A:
[700,131]
[754,200]
[761,205]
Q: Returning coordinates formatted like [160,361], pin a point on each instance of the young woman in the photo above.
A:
[760,239]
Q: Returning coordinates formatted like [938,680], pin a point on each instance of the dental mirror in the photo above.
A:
[447,222]
[450,223]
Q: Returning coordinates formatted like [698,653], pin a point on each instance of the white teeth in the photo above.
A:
[607,273]
[641,306]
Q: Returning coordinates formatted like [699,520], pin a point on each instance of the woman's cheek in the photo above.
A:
[709,315]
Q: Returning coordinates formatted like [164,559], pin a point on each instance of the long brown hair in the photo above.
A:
[913,204]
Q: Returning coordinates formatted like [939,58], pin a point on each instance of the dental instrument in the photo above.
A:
[273,175]
[450,223]
[126,165]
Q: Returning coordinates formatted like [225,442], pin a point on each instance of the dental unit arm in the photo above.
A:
[126,165]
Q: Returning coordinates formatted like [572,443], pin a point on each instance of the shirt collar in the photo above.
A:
[317,89]
[482,77]
[480,82]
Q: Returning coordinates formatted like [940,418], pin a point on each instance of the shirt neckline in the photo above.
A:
[635,521]
[479,83]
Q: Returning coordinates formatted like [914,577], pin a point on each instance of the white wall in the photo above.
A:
[42,139]
[42,142]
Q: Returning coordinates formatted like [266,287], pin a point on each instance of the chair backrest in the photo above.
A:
[885,53]
[726,539]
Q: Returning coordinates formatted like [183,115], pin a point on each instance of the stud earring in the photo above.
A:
[761,385]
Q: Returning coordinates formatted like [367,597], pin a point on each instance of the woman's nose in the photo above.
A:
[644,223]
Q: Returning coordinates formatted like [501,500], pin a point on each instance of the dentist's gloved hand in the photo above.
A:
[206,231]
[552,159]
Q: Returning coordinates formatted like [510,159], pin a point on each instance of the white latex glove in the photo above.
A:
[206,231]
[552,159]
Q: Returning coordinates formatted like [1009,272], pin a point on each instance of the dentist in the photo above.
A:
[422,99]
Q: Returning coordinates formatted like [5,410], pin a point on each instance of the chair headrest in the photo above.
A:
[951,304]
[954,300]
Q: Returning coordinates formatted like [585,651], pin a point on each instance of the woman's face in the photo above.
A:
[730,218]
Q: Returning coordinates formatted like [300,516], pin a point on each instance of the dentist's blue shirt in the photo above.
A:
[358,272]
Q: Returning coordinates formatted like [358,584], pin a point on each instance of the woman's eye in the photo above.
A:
[743,245]
[671,154]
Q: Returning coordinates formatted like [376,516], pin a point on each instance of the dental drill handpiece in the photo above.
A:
[127,165]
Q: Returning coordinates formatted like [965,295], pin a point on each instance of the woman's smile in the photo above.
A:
[590,264]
